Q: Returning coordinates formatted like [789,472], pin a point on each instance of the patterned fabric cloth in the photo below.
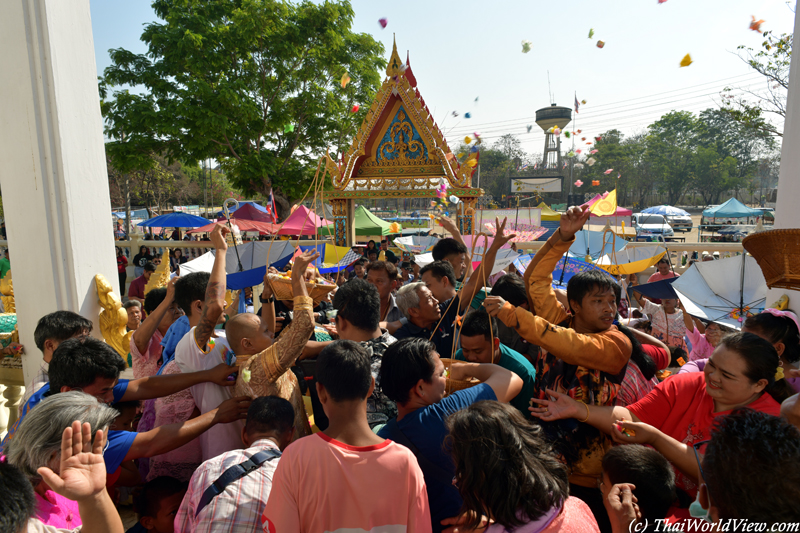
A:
[39,380]
[239,507]
[147,364]
[268,369]
[669,329]
[175,408]
[57,511]
[380,409]
[634,386]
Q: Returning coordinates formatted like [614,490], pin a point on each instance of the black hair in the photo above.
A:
[359,303]
[440,269]
[386,266]
[639,357]
[751,468]
[372,252]
[649,471]
[675,353]
[344,369]
[403,364]
[447,247]
[372,242]
[149,267]
[78,362]
[191,288]
[584,283]
[146,250]
[761,362]
[18,502]
[60,326]
[478,323]
[511,288]
[269,414]
[777,329]
[504,466]
[362,261]
[153,299]
[147,500]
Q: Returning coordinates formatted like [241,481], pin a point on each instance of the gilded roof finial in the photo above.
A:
[395,66]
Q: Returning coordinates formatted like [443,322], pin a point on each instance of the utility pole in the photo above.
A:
[205,191]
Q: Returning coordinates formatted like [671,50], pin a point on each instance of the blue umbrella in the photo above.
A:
[666,210]
[174,220]
[562,273]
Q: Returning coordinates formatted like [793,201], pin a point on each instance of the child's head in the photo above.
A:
[663,266]
[648,470]
[779,328]
[676,353]
[157,503]
[128,413]
[592,297]
[344,376]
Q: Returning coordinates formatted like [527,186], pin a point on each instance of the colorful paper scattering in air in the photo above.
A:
[455,113]
[661,1]
[454,199]
[383,22]
[355,109]
[477,137]
[755,25]
[591,161]
[467,139]
[583,138]
[579,131]
[526,46]
[289,128]
[619,175]
[471,163]
[578,166]
[600,44]
[529,128]
[450,156]
[595,183]
[591,33]
[687,60]
[556,131]
[476,99]
[461,154]
[609,171]
[583,102]
[467,115]
[345,79]
[598,138]
[578,183]
[578,151]
[570,154]
[566,134]
[594,152]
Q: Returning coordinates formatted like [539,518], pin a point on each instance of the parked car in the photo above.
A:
[682,222]
[651,224]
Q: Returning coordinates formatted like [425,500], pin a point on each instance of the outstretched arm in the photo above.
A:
[478,278]
[145,331]
[214,304]
[160,386]
[448,224]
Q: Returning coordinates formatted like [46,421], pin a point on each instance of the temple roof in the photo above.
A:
[399,147]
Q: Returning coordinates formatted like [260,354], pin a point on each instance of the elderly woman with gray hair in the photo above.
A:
[38,444]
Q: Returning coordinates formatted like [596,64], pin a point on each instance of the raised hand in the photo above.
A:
[622,507]
[218,237]
[626,432]
[222,375]
[302,261]
[500,237]
[493,305]
[232,410]
[448,224]
[559,407]
[82,472]
[171,289]
[572,221]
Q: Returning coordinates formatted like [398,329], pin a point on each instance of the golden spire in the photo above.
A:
[395,67]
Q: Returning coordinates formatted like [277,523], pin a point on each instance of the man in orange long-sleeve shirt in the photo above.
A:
[582,354]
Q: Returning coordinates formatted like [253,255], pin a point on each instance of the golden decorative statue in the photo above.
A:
[7,291]
[159,278]
[113,318]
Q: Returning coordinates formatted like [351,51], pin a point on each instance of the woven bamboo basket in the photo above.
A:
[282,289]
[455,385]
[777,252]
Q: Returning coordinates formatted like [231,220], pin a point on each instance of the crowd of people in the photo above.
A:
[411,399]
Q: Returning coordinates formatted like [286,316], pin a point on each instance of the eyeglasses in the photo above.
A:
[695,446]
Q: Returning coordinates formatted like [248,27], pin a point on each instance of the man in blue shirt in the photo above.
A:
[93,367]
[479,344]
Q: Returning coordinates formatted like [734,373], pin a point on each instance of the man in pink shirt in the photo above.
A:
[377,484]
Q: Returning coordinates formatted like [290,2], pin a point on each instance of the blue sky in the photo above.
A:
[470,49]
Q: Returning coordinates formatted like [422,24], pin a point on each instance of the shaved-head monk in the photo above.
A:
[264,364]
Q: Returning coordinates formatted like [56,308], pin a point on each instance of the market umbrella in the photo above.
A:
[416,244]
[666,210]
[631,259]
[725,291]
[174,220]
[254,262]
[565,269]
[264,228]
[596,244]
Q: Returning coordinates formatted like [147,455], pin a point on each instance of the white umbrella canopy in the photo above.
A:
[726,291]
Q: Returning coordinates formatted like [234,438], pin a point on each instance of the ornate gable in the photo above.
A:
[399,148]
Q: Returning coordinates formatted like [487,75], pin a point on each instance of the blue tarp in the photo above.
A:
[733,208]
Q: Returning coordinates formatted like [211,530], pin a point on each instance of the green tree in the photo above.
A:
[253,84]
[714,173]
[753,109]
[670,147]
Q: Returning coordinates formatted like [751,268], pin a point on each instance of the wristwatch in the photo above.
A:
[269,300]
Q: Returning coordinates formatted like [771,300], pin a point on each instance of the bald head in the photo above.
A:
[247,335]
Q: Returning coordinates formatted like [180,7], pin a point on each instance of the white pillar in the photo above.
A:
[53,172]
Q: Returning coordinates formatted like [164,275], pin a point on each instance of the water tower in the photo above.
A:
[546,118]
